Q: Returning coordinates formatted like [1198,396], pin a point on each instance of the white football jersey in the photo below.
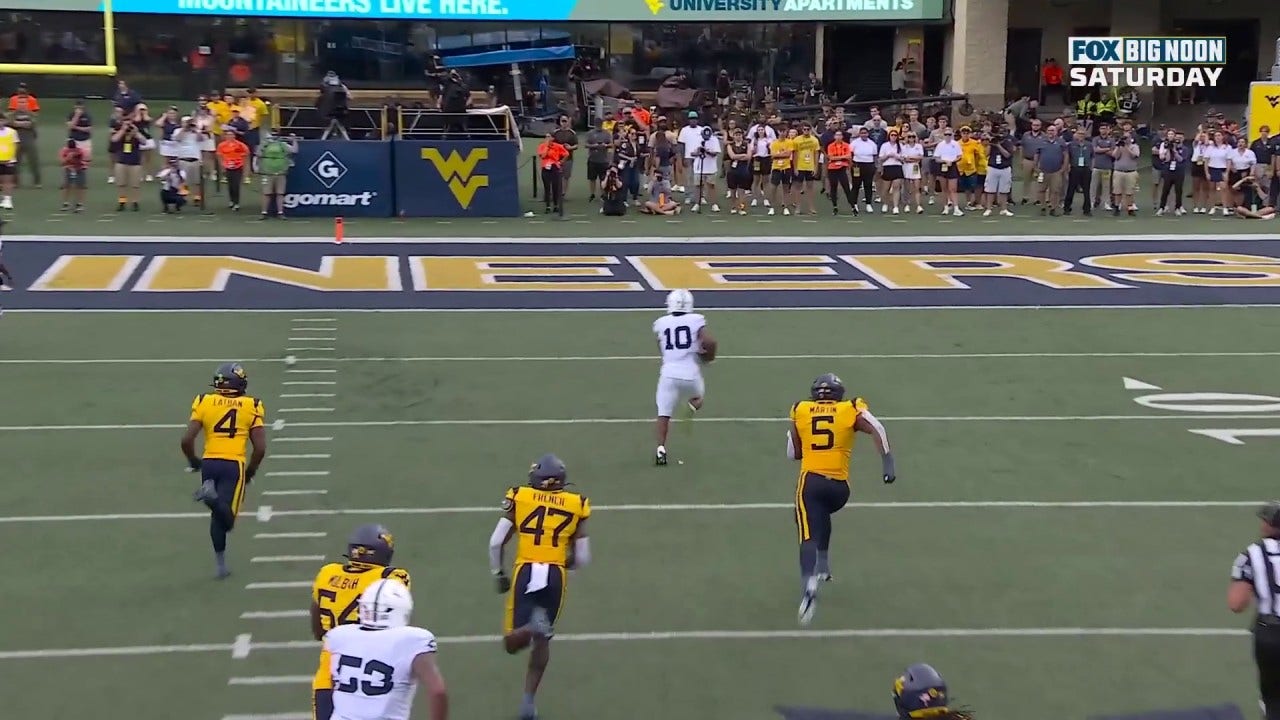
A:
[372,670]
[678,342]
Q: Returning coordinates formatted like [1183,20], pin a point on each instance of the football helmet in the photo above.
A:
[679,301]
[372,544]
[827,387]
[920,692]
[548,473]
[230,379]
[385,604]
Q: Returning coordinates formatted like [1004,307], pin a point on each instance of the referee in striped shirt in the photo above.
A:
[1256,576]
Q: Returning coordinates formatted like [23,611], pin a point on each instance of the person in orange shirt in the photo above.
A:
[839,157]
[1051,76]
[551,157]
[232,155]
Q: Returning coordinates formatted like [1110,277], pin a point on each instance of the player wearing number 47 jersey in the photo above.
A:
[229,420]
[821,437]
[335,598]
[685,344]
[376,665]
[552,525]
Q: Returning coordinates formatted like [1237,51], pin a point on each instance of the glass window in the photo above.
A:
[773,53]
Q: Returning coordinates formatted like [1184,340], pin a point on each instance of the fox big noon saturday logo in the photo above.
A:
[1140,62]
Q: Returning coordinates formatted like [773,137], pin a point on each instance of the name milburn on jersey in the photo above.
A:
[373,670]
[678,341]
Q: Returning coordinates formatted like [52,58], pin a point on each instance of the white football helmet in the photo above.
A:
[679,301]
[385,604]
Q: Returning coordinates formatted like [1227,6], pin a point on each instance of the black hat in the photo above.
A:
[1270,513]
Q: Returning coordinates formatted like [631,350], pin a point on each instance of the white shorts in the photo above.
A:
[671,391]
[999,181]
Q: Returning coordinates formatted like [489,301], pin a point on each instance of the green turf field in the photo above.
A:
[1100,589]
[38,210]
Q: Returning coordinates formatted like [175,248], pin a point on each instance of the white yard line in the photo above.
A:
[310,382]
[649,358]
[318,338]
[689,507]
[310,349]
[272,680]
[645,421]
[611,637]
[287,585]
[274,614]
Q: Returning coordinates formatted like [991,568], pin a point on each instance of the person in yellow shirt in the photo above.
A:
[821,437]
[551,524]
[807,146]
[780,175]
[972,167]
[8,162]
[221,108]
[229,419]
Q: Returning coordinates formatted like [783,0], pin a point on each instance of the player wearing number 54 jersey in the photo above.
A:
[335,598]
[552,525]
[685,344]
[821,438]
[377,664]
[229,419]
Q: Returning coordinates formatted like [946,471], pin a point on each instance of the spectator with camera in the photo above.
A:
[628,159]
[660,201]
[1124,176]
[174,188]
[1252,206]
[998,185]
[275,157]
[599,141]
[80,128]
[551,155]
[127,141]
[1173,157]
[74,163]
[141,119]
[1102,166]
[613,193]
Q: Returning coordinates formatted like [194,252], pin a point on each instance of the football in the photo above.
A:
[708,352]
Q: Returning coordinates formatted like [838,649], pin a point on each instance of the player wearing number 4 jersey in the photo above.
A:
[229,420]
[376,665]
[335,598]
[552,525]
[685,344]
[821,437]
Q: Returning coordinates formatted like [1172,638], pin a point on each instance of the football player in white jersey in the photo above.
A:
[685,344]
[378,662]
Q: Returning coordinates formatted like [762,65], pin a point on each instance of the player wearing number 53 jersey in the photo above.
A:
[335,598]
[377,664]
[821,438]
[552,525]
[685,344]
[229,419]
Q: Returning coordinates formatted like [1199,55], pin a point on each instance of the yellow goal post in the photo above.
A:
[106,69]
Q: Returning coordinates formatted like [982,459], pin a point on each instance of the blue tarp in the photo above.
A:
[506,57]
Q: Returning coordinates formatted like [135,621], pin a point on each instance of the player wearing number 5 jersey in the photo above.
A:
[821,438]
[685,344]
[552,527]
[376,665]
[335,598]
[229,419]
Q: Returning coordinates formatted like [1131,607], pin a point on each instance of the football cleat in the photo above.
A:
[825,577]
[808,601]
[660,456]
[207,494]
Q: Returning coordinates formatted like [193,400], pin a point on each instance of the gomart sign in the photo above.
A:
[528,10]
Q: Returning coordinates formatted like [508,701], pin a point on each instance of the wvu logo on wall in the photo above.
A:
[459,172]
[1273,100]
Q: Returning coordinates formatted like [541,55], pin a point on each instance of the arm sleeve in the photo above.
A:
[791,447]
[496,541]
[1242,569]
[878,428]
[581,552]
